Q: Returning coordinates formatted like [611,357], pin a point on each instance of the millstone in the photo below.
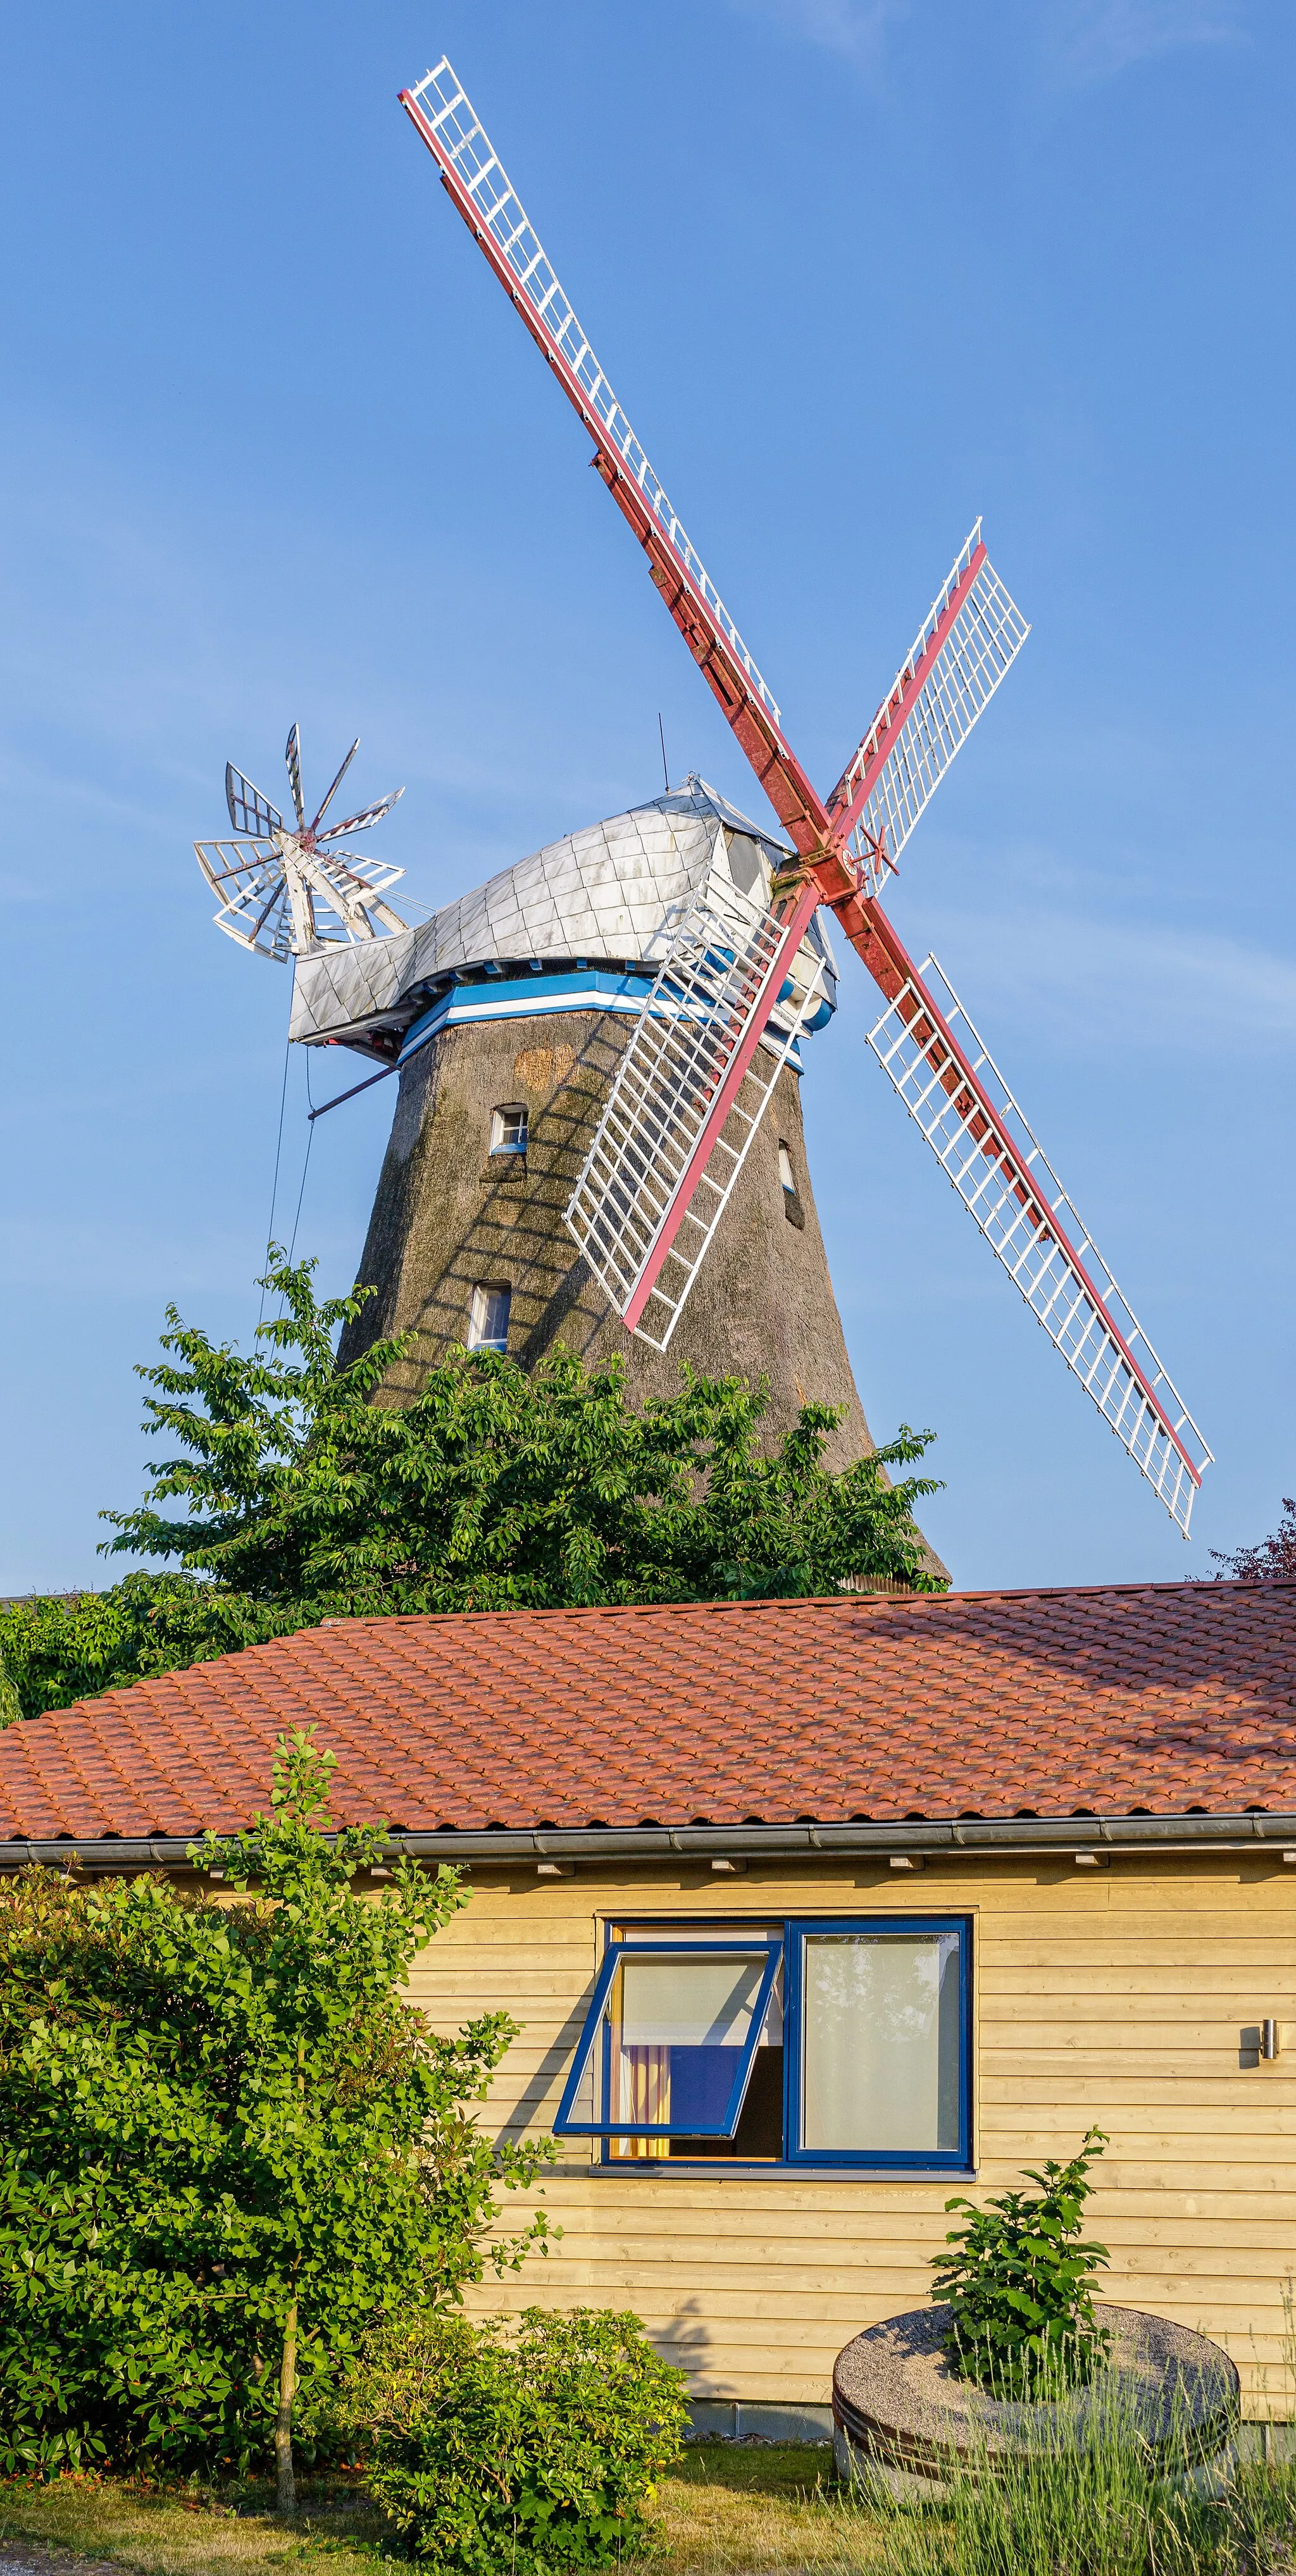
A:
[901,2415]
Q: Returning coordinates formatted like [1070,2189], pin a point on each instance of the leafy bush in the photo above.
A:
[1020,2289]
[56,1648]
[224,2134]
[520,2449]
[298,1497]
[491,1488]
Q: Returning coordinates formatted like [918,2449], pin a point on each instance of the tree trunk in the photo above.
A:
[285,2489]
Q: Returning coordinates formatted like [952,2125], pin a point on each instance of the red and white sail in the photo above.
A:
[969,639]
[696,1077]
[691,1090]
[958,1099]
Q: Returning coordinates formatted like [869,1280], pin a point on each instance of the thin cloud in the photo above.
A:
[1079,979]
[856,28]
[1095,39]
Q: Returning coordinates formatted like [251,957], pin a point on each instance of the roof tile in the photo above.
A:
[1144,1698]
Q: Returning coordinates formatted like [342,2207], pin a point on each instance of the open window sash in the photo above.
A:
[670,2039]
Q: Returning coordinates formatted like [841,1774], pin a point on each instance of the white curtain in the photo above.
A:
[881,2041]
[688,2003]
[660,2005]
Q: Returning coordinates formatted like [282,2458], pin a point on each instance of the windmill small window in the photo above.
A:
[509,1128]
[488,1318]
[792,1208]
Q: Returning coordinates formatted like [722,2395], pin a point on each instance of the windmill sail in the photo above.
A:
[643,1209]
[471,171]
[954,1091]
[690,1092]
[970,637]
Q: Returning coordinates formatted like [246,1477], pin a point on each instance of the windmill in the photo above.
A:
[690,1094]
[283,891]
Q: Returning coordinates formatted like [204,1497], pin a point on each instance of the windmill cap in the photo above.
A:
[599,897]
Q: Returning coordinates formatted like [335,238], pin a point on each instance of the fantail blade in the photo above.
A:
[249,810]
[362,822]
[292,755]
[336,784]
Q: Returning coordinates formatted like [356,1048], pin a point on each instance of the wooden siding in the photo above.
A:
[1116,1995]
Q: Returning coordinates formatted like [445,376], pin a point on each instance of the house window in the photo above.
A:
[786,1173]
[488,1319]
[842,2043]
[509,1128]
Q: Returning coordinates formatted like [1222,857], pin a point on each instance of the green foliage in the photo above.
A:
[53,1651]
[1020,2287]
[492,1489]
[295,1496]
[217,2119]
[516,2449]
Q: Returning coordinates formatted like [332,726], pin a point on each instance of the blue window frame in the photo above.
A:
[670,2038]
[837,2042]
[878,2072]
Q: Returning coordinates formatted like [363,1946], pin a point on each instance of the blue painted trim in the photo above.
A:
[527,997]
[595,2026]
[521,997]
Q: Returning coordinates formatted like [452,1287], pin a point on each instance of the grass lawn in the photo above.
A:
[176,2532]
[731,2506]
[728,2508]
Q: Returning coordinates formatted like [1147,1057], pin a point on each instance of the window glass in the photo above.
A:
[786,1173]
[509,1129]
[488,1319]
[670,2044]
[880,2042]
[758,2137]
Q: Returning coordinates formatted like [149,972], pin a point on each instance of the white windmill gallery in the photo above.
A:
[598,1137]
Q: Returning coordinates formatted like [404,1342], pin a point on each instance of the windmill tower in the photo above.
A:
[598,1132]
[508,1014]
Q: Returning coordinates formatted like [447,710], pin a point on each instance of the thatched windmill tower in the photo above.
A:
[507,1013]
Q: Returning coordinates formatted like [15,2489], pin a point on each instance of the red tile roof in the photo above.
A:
[1156,1699]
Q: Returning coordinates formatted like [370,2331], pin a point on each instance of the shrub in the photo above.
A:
[519,2448]
[56,1648]
[1020,2287]
[224,2135]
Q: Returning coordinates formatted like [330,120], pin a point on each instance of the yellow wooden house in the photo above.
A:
[813,1913]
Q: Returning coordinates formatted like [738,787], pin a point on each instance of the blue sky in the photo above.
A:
[274,446]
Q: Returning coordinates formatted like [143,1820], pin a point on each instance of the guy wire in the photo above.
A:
[274,1186]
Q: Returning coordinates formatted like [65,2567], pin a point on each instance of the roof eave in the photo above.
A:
[961,1838]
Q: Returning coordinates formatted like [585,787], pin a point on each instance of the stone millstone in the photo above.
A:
[898,2407]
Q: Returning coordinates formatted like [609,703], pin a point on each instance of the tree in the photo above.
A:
[228,2144]
[57,1649]
[302,1495]
[1272,1557]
